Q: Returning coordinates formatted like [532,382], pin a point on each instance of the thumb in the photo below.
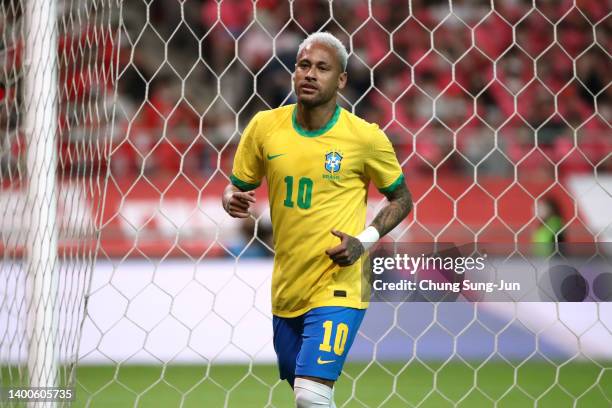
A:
[338,234]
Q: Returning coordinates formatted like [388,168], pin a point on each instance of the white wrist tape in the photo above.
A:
[368,237]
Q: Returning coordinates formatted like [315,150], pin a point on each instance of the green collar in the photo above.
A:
[318,132]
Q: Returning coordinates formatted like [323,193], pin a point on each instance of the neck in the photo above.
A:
[314,118]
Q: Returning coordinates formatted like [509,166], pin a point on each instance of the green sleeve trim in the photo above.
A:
[393,186]
[318,132]
[243,185]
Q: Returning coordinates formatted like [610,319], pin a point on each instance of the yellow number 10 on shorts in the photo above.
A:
[340,339]
[316,343]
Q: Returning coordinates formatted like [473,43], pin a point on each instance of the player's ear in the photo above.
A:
[342,80]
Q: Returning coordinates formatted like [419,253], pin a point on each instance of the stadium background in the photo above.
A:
[488,111]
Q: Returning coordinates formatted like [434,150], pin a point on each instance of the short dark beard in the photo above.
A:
[313,103]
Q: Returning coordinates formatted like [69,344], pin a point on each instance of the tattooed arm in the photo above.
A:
[351,248]
[400,205]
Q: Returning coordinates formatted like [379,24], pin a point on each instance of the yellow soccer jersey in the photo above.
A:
[317,181]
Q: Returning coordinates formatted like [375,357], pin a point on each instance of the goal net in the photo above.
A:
[56,94]
[122,276]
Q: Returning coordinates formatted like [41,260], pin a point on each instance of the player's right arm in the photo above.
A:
[236,202]
[246,175]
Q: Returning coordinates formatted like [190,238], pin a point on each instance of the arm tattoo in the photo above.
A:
[400,205]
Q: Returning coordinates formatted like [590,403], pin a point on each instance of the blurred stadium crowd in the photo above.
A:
[472,88]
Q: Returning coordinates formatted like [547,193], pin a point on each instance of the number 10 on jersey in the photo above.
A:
[304,192]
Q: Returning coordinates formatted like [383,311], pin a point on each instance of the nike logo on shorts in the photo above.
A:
[319,361]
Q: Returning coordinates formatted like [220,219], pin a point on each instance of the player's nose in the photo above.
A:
[311,74]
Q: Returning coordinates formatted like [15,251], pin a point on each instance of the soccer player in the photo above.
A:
[318,160]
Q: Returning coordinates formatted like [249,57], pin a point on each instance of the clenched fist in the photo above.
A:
[349,250]
[237,203]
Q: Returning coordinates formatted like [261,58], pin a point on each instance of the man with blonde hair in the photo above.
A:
[318,160]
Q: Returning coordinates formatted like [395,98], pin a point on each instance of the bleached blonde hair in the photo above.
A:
[329,40]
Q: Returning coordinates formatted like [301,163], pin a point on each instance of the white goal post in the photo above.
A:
[40,102]
[56,93]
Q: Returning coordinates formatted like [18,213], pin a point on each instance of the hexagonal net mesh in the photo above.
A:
[163,300]
[55,113]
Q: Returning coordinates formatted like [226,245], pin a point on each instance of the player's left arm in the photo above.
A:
[382,167]
[398,208]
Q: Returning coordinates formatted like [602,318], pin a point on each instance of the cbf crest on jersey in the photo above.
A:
[333,159]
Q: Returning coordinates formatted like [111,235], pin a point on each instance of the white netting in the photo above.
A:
[491,106]
[56,106]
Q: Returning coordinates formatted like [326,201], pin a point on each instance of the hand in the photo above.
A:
[349,250]
[237,203]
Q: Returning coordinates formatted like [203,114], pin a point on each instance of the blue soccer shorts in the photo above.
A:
[316,343]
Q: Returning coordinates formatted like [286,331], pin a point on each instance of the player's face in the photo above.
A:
[318,75]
